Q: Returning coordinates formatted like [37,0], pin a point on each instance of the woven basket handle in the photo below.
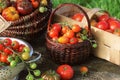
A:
[70,4]
[93,11]
[3,24]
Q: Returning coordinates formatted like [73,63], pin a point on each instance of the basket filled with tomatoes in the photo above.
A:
[106,30]
[25,18]
[15,56]
[68,41]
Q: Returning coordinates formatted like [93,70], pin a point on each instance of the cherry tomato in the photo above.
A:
[73,40]
[104,17]
[37,72]
[53,33]
[13,63]
[7,42]
[33,65]
[78,16]
[15,45]
[25,56]
[63,40]
[56,26]
[65,71]
[35,4]
[102,25]
[65,29]
[114,24]
[83,70]
[76,28]
[8,51]
[21,46]
[3,58]
[69,34]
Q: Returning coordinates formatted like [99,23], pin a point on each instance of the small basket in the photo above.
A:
[29,26]
[69,53]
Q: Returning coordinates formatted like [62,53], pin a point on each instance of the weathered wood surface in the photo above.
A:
[98,69]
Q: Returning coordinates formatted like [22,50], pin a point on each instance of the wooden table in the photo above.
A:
[98,69]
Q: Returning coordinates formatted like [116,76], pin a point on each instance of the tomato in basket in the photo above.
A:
[78,16]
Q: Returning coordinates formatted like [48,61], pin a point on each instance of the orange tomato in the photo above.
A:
[83,70]
[63,39]
[69,34]
[10,14]
[65,29]
[76,28]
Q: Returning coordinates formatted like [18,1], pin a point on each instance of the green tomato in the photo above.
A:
[17,59]
[26,49]
[42,9]
[29,77]
[25,56]
[33,65]
[13,63]
[94,45]
[37,72]
[10,58]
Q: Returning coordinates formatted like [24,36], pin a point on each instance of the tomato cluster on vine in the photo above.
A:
[67,34]
[12,51]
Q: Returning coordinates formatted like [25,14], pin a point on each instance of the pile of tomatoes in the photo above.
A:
[107,23]
[67,34]
[12,51]
[12,10]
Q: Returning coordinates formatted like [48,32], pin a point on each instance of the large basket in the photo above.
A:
[29,26]
[68,53]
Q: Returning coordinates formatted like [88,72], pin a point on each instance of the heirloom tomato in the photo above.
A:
[65,71]
[8,51]
[63,39]
[24,7]
[7,42]
[10,14]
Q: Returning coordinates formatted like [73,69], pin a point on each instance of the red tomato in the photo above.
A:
[3,58]
[65,29]
[65,71]
[7,42]
[110,19]
[56,26]
[104,17]
[69,34]
[78,16]
[8,51]
[102,25]
[110,30]
[114,24]
[15,45]
[35,4]
[76,28]
[1,47]
[73,40]
[53,33]
[21,47]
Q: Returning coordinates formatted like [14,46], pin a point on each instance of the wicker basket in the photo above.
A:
[68,53]
[29,26]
